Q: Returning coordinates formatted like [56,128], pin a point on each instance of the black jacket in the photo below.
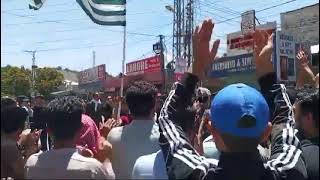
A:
[183,162]
[39,120]
[94,114]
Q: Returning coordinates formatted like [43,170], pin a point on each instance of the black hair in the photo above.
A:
[8,102]
[292,93]
[13,119]
[141,98]
[106,110]
[65,116]
[309,103]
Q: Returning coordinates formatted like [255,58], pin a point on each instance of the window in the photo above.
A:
[284,67]
[315,59]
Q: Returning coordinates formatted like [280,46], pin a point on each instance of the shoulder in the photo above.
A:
[100,170]
[115,134]
[32,160]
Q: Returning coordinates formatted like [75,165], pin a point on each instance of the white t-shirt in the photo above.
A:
[65,164]
[140,137]
[150,166]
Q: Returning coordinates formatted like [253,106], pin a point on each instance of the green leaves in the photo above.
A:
[17,81]
[48,80]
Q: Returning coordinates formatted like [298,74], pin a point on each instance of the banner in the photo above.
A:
[181,68]
[36,4]
[151,64]
[228,66]
[105,12]
[286,55]
[93,74]
[239,43]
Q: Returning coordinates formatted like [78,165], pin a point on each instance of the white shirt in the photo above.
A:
[150,166]
[140,137]
[65,164]
[209,148]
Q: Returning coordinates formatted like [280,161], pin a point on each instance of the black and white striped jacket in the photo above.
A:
[183,162]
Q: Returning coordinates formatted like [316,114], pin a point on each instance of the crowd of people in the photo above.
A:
[236,133]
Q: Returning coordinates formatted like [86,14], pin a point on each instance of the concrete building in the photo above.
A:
[303,24]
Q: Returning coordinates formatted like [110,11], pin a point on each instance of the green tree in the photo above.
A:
[48,80]
[15,81]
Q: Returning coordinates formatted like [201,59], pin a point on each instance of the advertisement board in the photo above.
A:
[248,22]
[286,55]
[94,74]
[181,68]
[148,65]
[234,65]
[239,43]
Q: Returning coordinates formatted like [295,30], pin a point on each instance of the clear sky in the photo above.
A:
[65,36]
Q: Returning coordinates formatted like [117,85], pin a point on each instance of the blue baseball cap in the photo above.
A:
[240,110]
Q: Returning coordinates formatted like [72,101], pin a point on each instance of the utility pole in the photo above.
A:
[162,61]
[93,58]
[33,69]
[183,25]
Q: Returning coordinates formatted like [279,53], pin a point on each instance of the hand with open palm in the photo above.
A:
[203,55]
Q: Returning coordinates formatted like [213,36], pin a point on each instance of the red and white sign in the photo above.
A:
[151,64]
[181,68]
[239,43]
[93,74]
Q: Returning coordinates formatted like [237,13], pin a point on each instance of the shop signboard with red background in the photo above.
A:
[239,43]
[94,74]
[148,65]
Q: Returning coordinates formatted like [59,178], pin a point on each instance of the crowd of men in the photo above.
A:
[237,133]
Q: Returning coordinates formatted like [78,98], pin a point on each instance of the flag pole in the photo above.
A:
[123,65]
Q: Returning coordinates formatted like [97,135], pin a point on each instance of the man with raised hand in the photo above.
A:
[239,122]
[305,71]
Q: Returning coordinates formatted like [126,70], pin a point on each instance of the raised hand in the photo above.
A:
[105,127]
[203,55]
[28,142]
[302,58]
[263,46]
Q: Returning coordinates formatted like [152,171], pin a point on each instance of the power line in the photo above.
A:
[258,11]
[53,5]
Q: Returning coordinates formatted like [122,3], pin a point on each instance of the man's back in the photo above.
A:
[64,164]
[151,166]
[310,153]
[130,142]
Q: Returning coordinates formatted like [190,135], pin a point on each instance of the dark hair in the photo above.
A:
[13,119]
[240,144]
[141,98]
[309,103]
[7,102]
[106,110]
[65,116]
[292,93]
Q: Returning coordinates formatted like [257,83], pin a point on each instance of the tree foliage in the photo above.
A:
[17,81]
[48,80]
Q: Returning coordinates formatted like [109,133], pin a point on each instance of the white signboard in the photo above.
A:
[286,56]
[248,22]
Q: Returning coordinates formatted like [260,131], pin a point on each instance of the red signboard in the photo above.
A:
[97,73]
[151,64]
